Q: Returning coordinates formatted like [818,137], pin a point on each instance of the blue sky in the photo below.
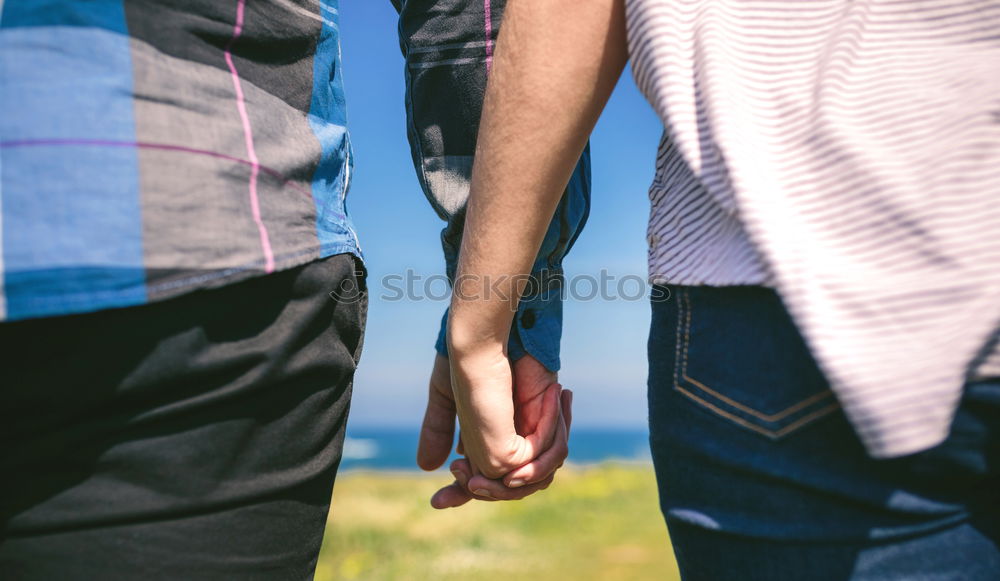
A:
[604,342]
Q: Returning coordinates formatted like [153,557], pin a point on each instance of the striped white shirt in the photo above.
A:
[846,153]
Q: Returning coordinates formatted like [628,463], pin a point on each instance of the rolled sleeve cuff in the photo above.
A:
[536,330]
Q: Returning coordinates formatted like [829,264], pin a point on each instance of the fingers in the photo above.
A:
[462,470]
[479,487]
[566,399]
[503,457]
[539,441]
[456,493]
[450,496]
[531,380]
[552,459]
[526,464]
[485,489]
[436,433]
[438,429]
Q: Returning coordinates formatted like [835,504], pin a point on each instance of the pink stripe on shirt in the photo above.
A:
[488,18]
[265,241]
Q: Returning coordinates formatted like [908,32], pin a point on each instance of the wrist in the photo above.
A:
[467,345]
[472,334]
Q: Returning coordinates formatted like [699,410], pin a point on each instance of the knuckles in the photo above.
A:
[499,462]
[496,468]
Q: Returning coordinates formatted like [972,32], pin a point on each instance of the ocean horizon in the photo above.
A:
[395,448]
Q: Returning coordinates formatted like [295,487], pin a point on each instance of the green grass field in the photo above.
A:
[601,523]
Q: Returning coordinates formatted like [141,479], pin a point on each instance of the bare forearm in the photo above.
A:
[556,64]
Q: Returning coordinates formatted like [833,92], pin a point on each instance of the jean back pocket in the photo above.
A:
[739,356]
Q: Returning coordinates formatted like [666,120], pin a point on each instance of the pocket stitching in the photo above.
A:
[680,370]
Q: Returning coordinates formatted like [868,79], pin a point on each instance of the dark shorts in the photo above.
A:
[762,478]
[195,438]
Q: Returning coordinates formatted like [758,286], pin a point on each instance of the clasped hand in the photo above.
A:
[515,421]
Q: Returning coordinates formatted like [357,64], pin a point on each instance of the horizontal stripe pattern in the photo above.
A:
[847,154]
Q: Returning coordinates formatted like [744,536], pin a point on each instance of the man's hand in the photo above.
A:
[533,412]
[438,430]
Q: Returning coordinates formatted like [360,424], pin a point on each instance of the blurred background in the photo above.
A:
[600,520]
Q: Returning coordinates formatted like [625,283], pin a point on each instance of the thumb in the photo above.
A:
[438,429]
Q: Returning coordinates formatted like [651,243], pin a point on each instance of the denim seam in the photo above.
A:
[773,434]
[680,370]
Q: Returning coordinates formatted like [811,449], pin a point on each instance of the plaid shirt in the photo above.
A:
[154,147]
[448,45]
[150,148]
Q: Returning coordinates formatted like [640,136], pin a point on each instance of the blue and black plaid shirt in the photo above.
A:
[152,148]
[149,148]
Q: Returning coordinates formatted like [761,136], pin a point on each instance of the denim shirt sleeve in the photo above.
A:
[447,45]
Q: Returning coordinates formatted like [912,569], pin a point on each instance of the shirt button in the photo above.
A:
[528,318]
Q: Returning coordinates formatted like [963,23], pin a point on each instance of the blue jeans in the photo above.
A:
[762,478]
